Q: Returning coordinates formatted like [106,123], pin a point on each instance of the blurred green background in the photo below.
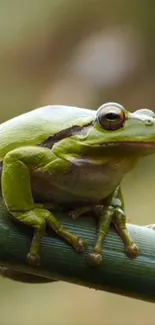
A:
[84,53]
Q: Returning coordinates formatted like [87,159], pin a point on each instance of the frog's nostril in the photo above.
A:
[149,122]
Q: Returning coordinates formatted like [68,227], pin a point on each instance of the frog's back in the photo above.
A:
[36,126]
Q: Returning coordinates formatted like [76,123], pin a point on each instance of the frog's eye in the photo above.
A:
[111,116]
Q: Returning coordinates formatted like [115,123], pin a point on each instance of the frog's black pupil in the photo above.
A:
[112,116]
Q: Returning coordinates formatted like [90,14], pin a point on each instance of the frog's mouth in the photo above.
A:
[136,146]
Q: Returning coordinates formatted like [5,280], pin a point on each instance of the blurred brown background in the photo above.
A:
[84,53]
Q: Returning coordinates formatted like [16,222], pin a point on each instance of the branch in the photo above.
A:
[118,274]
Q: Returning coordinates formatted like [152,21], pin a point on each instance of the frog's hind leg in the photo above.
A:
[16,190]
[38,218]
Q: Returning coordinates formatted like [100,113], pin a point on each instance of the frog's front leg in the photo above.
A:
[16,190]
[119,221]
[104,217]
[112,212]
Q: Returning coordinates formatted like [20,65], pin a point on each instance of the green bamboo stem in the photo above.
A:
[118,274]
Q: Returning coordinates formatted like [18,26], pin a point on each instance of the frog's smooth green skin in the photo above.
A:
[72,158]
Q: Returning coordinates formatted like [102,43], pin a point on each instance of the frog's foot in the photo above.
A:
[38,218]
[95,259]
[33,260]
[77,243]
[119,222]
[35,218]
[80,245]
[132,250]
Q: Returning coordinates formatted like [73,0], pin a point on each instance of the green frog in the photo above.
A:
[74,159]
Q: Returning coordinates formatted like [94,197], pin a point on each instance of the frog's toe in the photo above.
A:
[74,214]
[132,250]
[33,260]
[80,245]
[95,259]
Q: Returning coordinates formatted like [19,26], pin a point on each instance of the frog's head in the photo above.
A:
[114,127]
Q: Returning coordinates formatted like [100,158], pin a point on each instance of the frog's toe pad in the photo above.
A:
[73,214]
[132,250]
[95,259]
[33,260]
[80,245]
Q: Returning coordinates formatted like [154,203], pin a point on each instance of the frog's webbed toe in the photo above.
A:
[33,260]
[132,250]
[95,259]
[80,245]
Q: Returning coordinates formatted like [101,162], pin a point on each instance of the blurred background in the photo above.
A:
[82,53]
